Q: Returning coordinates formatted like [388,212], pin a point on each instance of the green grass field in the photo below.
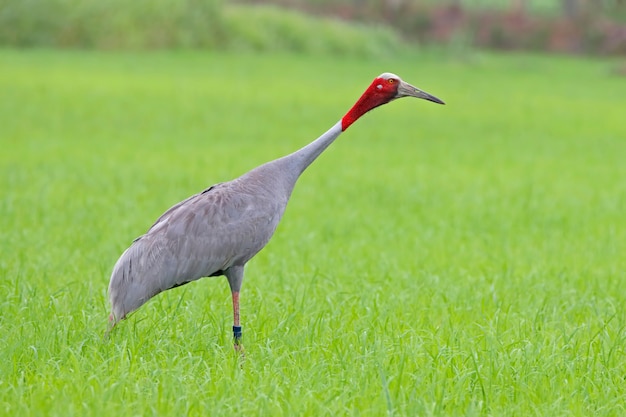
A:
[459,260]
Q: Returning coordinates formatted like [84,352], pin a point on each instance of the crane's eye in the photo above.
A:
[391,81]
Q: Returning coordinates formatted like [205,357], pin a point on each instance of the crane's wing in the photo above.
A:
[176,206]
[201,236]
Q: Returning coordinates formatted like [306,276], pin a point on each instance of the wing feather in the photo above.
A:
[201,236]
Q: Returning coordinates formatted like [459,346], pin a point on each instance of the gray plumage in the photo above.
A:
[217,231]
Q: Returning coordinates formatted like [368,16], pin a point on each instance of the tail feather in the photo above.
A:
[130,287]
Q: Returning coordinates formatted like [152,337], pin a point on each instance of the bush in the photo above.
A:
[271,28]
[154,24]
[110,24]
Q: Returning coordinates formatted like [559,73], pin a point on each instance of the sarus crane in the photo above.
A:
[217,231]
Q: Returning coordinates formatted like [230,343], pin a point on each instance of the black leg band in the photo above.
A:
[237,332]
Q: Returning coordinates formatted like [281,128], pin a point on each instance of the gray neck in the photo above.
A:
[302,158]
[280,176]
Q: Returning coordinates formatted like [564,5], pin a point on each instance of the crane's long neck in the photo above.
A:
[302,158]
[281,174]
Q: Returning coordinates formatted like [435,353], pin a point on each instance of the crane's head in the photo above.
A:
[385,88]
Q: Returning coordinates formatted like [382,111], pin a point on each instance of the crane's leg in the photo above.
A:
[236,323]
[234,274]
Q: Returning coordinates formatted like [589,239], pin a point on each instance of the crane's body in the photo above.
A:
[217,231]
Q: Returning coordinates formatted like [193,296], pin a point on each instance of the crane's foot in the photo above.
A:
[238,345]
[237,333]
[237,337]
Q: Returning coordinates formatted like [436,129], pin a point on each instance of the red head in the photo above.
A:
[385,88]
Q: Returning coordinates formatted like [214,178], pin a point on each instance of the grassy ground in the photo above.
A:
[458,260]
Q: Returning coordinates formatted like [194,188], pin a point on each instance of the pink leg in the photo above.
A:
[234,274]
[236,324]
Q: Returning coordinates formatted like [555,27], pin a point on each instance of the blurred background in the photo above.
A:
[465,259]
[592,27]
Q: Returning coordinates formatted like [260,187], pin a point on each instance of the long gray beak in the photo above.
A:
[407,90]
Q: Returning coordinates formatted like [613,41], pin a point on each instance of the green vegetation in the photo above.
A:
[110,24]
[451,260]
[174,24]
[365,28]
[274,29]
